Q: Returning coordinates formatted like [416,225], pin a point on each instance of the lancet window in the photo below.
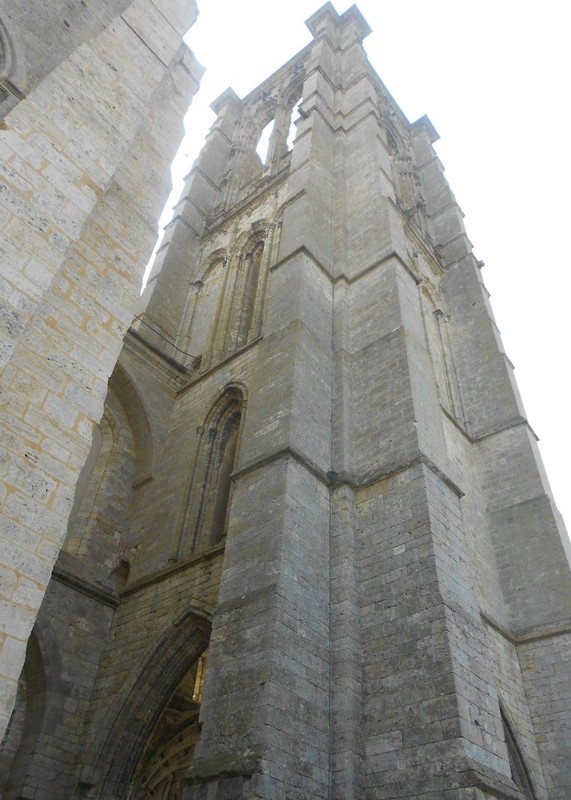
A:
[212,481]
[245,294]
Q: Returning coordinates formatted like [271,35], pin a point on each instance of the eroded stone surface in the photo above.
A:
[85,171]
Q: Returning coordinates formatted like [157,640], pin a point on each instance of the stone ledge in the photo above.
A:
[84,587]
[171,569]
[223,765]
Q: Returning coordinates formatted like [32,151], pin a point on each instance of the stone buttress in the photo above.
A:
[92,98]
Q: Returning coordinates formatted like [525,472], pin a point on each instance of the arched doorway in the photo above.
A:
[149,744]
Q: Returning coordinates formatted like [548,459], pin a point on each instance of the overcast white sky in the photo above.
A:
[493,76]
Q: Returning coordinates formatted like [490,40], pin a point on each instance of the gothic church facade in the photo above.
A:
[311,552]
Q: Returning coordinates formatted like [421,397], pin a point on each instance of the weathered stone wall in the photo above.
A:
[85,171]
[545,666]
[317,328]
[71,626]
[36,37]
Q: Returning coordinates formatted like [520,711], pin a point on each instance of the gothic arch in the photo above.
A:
[271,103]
[519,772]
[206,506]
[7,53]
[120,460]
[133,724]
[440,353]
[130,399]
[294,91]
[220,254]
[246,309]
[169,750]
[37,690]
[86,487]
[404,177]
[200,326]
[394,140]
[279,111]
[90,485]
[434,341]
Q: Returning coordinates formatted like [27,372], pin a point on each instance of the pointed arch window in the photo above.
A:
[204,309]
[246,293]
[212,484]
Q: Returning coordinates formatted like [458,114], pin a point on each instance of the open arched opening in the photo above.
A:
[157,719]
[170,748]
[263,145]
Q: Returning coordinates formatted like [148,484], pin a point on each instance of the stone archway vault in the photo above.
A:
[127,735]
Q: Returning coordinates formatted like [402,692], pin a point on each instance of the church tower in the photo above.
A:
[313,552]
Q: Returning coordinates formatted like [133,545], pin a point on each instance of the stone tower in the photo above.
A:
[312,552]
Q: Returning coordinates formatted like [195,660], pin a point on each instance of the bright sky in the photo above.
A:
[493,76]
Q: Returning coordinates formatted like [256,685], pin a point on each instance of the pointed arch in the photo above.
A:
[129,731]
[217,455]
[270,106]
[404,178]
[94,484]
[132,404]
[169,751]
[440,352]
[120,461]
[202,523]
[520,774]
[289,96]
[37,690]
[202,318]
[247,300]
[394,140]
[246,296]
[432,318]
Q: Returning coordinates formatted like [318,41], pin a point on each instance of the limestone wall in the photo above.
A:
[85,171]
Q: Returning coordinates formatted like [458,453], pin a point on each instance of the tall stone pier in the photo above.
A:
[92,97]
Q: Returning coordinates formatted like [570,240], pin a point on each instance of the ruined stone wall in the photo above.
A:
[85,171]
